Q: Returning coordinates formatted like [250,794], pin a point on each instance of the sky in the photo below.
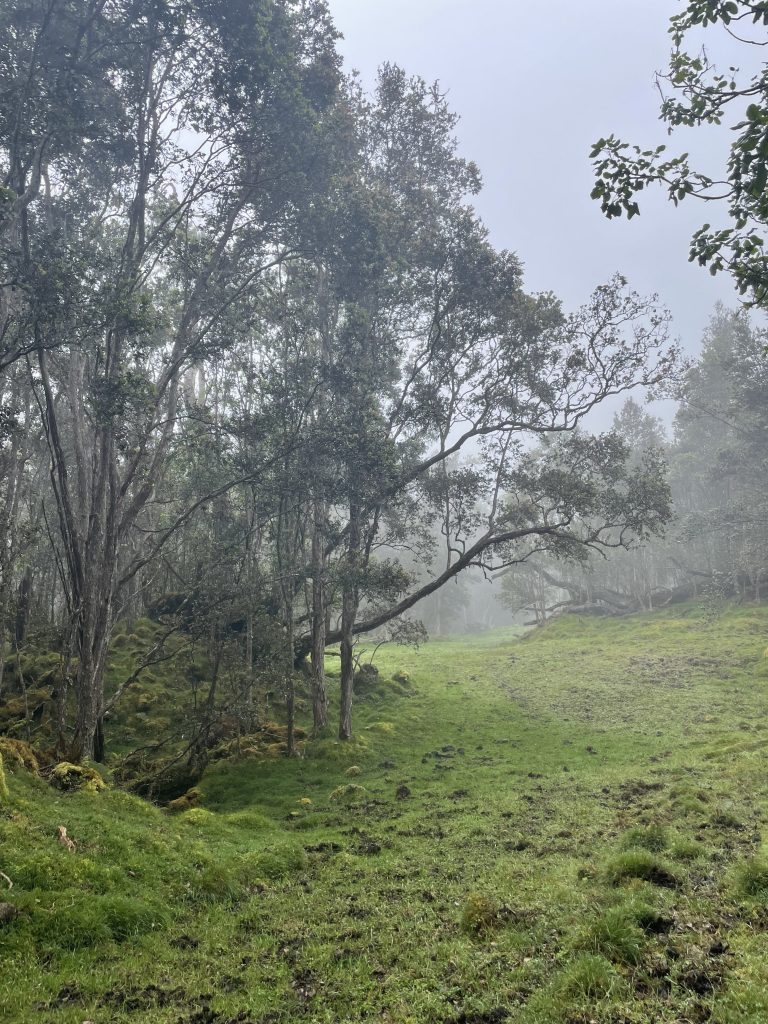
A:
[535,84]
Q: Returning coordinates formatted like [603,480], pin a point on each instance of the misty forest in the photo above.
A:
[381,639]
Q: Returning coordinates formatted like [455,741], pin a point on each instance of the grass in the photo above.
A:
[550,830]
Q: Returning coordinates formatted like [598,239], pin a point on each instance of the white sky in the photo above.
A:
[535,84]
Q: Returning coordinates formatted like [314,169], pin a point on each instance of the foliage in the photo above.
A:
[695,93]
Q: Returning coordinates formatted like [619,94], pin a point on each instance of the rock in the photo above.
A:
[70,777]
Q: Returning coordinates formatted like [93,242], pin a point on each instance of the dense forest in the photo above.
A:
[272,400]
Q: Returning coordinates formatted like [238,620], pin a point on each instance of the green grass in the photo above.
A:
[551,830]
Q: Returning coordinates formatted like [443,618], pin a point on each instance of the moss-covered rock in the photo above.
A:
[76,777]
[186,801]
[18,754]
[349,794]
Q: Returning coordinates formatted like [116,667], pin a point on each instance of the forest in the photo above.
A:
[310,510]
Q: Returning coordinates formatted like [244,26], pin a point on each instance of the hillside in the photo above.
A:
[566,827]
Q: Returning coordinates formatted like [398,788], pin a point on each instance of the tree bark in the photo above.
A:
[349,605]
[317,653]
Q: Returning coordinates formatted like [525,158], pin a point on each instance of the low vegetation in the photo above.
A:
[561,828]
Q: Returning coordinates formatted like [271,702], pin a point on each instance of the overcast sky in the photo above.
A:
[535,84]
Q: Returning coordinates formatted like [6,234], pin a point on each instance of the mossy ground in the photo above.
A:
[565,828]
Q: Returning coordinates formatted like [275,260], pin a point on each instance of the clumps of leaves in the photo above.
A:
[353,771]
[70,778]
[641,864]
[350,793]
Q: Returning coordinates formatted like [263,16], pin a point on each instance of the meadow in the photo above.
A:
[565,827]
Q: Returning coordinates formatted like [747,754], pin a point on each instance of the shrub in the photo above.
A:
[353,771]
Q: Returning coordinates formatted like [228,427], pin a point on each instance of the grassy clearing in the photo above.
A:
[565,828]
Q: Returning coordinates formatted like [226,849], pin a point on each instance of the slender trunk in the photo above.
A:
[317,653]
[349,606]
[290,681]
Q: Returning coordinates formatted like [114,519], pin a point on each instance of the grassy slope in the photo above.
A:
[549,779]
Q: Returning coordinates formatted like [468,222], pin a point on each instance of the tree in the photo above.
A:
[173,176]
[700,94]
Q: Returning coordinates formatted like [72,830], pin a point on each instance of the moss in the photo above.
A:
[349,794]
[76,777]
[383,728]
[186,801]
[18,754]
[200,817]
[480,914]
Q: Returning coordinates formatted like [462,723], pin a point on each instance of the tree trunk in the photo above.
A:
[317,653]
[349,605]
